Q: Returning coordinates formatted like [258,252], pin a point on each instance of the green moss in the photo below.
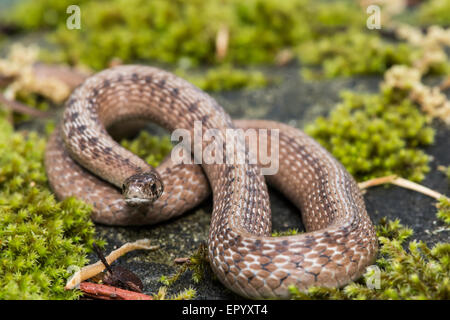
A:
[444,210]
[435,12]
[418,272]
[289,232]
[175,31]
[376,135]
[186,294]
[41,14]
[198,263]
[226,78]
[40,238]
[183,34]
[150,148]
[33,100]
[354,52]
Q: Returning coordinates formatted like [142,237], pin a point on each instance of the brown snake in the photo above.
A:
[340,242]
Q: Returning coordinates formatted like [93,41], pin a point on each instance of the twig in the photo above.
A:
[101,291]
[94,269]
[21,108]
[222,39]
[102,257]
[118,276]
[401,183]
[376,182]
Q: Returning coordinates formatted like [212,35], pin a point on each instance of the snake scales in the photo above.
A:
[340,241]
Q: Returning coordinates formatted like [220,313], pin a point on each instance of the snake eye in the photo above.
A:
[153,187]
[123,187]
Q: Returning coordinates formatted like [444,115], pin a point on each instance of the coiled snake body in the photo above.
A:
[340,241]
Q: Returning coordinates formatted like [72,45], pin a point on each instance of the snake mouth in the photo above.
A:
[134,202]
[142,188]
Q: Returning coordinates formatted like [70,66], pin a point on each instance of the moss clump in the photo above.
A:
[447,172]
[418,272]
[289,232]
[40,238]
[186,294]
[227,78]
[150,148]
[198,263]
[43,14]
[435,12]
[33,100]
[444,210]
[355,52]
[376,135]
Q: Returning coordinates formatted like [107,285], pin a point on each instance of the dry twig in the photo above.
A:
[92,270]
[401,183]
[222,39]
[22,108]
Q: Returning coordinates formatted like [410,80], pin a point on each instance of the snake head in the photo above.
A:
[142,188]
